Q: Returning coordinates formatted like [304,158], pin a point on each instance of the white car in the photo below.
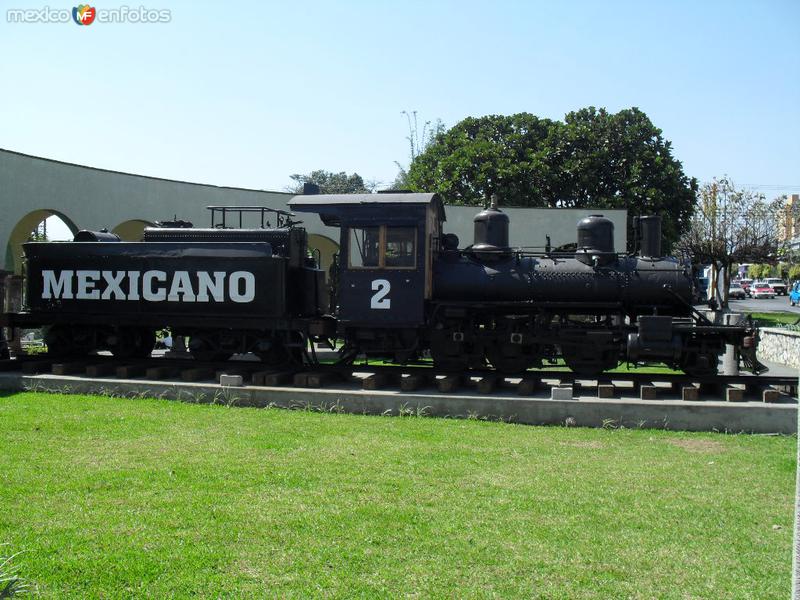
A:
[736,291]
[761,290]
[778,286]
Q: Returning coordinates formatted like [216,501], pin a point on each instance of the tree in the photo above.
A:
[593,159]
[759,271]
[732,225]
[418,141]
[40,233]
[794,273]
[333,183]
[783,270]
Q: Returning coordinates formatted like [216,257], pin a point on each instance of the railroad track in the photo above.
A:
[561,384]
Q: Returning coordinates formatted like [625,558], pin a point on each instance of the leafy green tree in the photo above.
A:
[40,233]
[794,272]
[593,159]
[333,183]
[783,270]
[753,271]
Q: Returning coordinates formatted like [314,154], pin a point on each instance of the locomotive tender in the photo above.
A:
[400,289]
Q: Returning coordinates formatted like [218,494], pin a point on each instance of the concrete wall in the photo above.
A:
[33,188]
[707,415]
[780,345]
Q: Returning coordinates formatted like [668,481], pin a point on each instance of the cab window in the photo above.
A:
[364,247]
[401,248]
[383,247]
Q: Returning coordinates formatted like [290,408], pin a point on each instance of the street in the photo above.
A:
[777,304]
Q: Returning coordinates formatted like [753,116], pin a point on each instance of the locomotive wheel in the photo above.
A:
[279,354]
[60,341]
[699,364]
[512,358]
[204,349]
[134,342]
[451,363]
[457,362]
[589,360]
[448,355]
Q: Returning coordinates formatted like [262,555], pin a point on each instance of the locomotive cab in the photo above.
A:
[386,240]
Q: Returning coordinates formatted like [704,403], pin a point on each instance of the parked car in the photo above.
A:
[736,291]
[761,290]
[777,285]
[746,283]
[794,295]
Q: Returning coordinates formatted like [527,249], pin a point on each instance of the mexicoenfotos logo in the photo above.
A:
[84,14]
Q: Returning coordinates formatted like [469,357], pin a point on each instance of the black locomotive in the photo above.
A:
[400,289]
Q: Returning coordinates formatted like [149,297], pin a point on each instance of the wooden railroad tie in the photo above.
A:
[272,378]
[606,390]
[100,369]
[690,393]
[130,371]
[37,366]
[528,386]
[411,382]
[69,368]
[448,383]
[13,365]
[377,381]
[734,394]
[197,374]
[648,392]
[487,384]
[162,372]
[313,379]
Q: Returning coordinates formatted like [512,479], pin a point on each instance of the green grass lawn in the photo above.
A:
[772,319]
[142,498]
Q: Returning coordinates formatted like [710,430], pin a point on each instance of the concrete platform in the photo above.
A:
[588,411]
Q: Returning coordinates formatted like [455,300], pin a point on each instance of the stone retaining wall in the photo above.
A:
[780,346]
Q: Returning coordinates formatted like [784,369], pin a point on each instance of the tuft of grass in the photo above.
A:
[775,319]
[11,584]
[151,498]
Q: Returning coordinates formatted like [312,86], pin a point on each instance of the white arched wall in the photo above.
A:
[21,233]
[327,248]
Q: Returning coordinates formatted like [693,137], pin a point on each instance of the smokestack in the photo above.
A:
[650,234]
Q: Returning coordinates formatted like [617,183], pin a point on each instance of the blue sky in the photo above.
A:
[247,93]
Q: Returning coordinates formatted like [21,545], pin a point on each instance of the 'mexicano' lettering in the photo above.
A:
[151,286]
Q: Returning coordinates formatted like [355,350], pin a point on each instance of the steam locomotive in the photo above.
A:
[401,289]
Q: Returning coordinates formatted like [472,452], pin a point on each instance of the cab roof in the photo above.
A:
[332,207]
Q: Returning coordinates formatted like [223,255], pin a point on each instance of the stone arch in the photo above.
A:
[326,247]
[131,230]
[22,231]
